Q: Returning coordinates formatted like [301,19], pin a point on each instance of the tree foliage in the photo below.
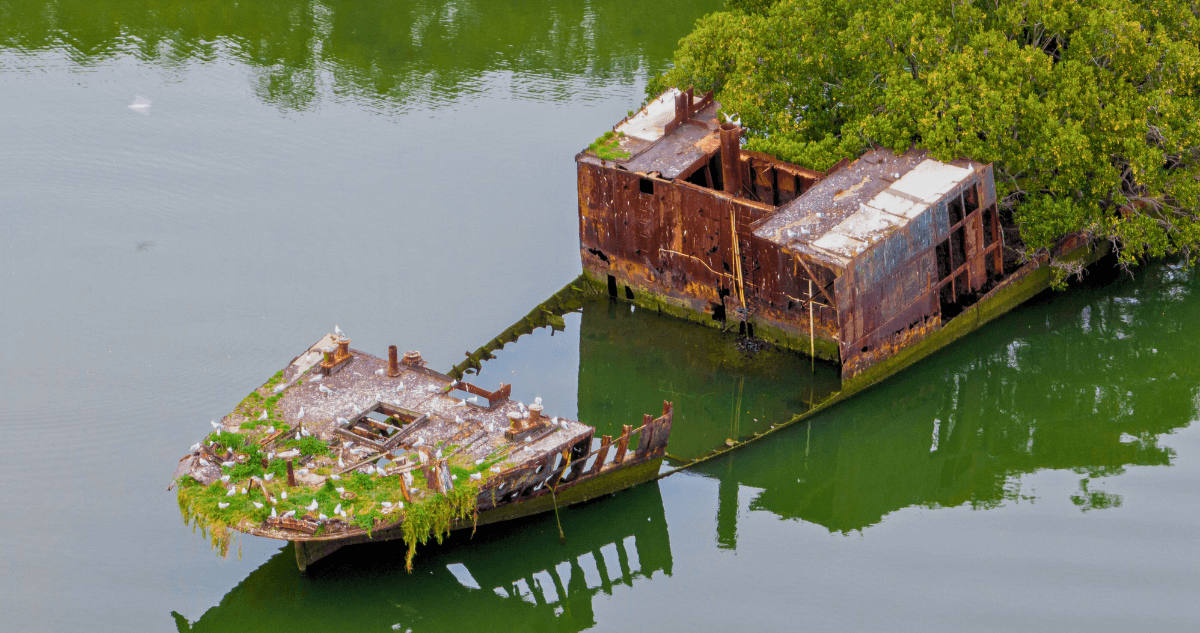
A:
[1086,108]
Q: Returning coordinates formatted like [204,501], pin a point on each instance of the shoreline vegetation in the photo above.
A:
[1087,109]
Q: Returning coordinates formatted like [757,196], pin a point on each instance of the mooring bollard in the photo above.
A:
[291,474]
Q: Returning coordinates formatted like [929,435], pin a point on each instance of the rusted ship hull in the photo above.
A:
[584,489]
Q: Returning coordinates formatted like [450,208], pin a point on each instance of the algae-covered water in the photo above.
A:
[404,171]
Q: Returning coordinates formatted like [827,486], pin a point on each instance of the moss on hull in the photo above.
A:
[682,309]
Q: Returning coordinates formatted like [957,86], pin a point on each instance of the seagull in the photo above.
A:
[348,443]
[431,388]
[269,476]
[495,469]
[386,504]
[257,505]
[453,477]
[476,476]
[458,420]
[225,478]
[461,403]
[311,506]
[228,464]
[324,389]
[322,517]
[397,626]
[203,462]
[222,505]
[195,447]
[301,414]
[338,509]
[528,439]
[232,491]
[289,514]
[283,495]
[473,399]
[528,449]
[400,505]
[438,454]
[264,415]
[214,424]
[335,477]
[343,421]
[243,491]
[420,441]
[316,378]
[537,400]
[521,405]
[140,104]
[379,372]
[337,330]
[273,512]
[340,489]
[478,462]
[341,464]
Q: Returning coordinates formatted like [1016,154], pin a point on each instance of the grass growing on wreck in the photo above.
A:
[608,146]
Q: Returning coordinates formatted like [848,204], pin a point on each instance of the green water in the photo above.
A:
[404,170]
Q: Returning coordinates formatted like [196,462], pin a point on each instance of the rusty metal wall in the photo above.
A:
[889,296]
[678,242]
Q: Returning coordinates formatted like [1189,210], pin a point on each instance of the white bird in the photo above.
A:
[300,414]
[461,403]
[324,389]
[453,477]
[214,424]
[537,400]
[379,372]
[420,441]
[232,491]
[312,506]
[337,330]
[473,399]
[195,447]
[225,478]
[264,415]
[521,405]
[438,454]
[431,388]
[228,464]
[528,449]
[554,420]
[335,477]
[386,504]
[343,421]
[348,443]
[478,462]
[528,439]
[341,464]
[370,470]
[243,491]
[491,427]
[338,509]
[495,469]
[476,476]
[458,420]
[283,495]
[397,626]
[203,462]
[316,378]
[222,505]
[269,476]
[273,512]
[257,505]
[140,104]
[289,514]
[400,505]
[340,489]
[322,517]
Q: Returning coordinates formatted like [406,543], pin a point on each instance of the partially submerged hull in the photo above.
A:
[389,453]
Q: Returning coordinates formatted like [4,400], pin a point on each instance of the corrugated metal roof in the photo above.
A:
[861,204]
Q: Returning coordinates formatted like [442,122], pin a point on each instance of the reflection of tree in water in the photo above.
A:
[512,576]
[1086,381]
[397,53]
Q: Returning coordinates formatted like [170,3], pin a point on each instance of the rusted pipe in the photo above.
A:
[413,359]
[393,369]
[731,157]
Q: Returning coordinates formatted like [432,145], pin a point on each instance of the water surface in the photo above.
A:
[404,170]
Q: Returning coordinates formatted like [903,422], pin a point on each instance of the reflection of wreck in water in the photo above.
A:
[609,543]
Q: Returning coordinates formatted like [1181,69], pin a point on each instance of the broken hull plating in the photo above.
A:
[312,549]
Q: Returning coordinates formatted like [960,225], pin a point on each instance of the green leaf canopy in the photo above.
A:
[1086,108]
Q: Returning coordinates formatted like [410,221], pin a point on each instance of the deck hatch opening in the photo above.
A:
[646,186]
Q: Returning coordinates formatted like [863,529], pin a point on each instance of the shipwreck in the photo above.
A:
[860,265]
[342,447]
